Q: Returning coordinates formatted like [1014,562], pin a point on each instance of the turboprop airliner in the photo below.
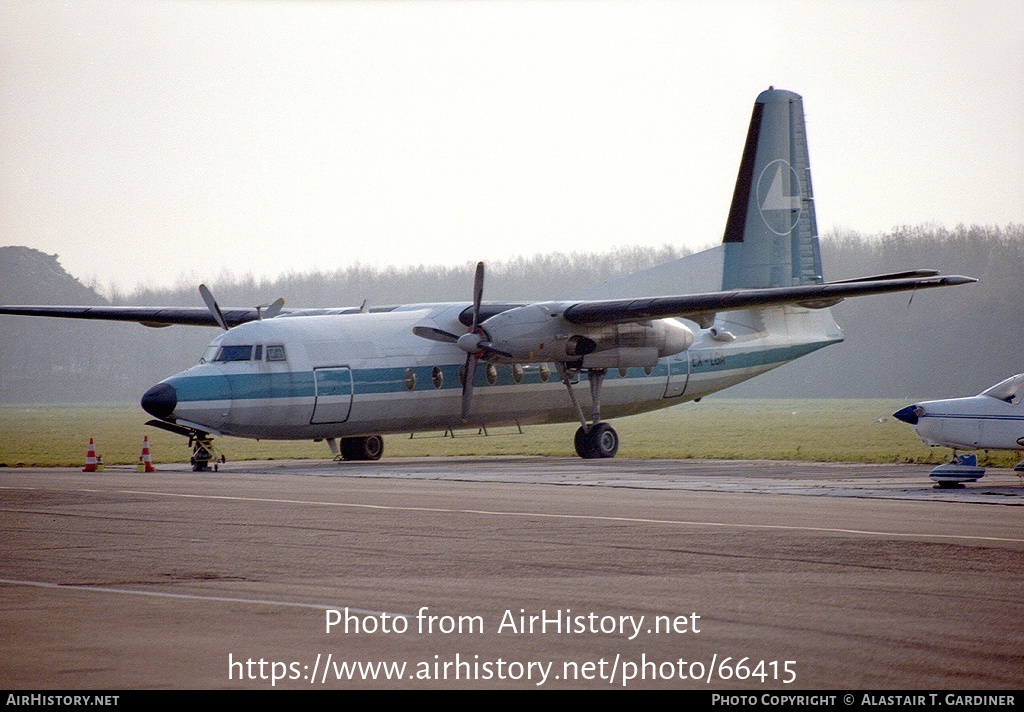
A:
[670,334]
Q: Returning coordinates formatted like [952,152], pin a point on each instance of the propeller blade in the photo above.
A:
[478,293]
[471,357]
[275,308]
[429,332]
[269,311]
[211,304]
[467,387]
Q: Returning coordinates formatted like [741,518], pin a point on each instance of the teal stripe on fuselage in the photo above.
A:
[243,386]
[712,360]
[248,386]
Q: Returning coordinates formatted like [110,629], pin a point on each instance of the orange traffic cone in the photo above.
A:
[90,458]
[147,458]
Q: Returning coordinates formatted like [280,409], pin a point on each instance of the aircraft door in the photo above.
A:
[678,375]
[333,395]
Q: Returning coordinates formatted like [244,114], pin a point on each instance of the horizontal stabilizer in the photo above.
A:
[891,275]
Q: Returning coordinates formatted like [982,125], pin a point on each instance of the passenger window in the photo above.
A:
[275,353]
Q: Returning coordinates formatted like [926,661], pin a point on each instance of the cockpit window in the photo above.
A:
[209,354]
[1009,390]
[234,353]
[275,353]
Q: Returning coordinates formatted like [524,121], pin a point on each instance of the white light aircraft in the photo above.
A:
[991,420]
[753,303]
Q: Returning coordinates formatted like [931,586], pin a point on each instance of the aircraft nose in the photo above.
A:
[160,400]
[910,414]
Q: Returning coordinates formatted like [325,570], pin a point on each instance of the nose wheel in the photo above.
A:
[204,453]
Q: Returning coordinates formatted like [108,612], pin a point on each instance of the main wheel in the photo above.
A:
[582,444]
[370,447]
[600,440]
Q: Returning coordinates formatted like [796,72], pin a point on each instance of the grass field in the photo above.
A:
[818,430]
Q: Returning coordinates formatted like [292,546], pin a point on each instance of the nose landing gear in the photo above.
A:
[203,453]
[201,442]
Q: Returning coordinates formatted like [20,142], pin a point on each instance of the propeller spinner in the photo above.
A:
[473,342]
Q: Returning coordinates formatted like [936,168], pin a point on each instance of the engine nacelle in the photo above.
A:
[537,333]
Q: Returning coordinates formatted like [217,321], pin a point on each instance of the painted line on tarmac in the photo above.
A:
[194,597]
[586,517]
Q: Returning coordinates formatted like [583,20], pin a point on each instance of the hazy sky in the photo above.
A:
[160,141]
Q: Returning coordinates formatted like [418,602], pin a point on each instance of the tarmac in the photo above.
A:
[511,572]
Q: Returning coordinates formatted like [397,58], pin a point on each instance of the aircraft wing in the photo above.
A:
[702,307]
[149,316]
[697,307]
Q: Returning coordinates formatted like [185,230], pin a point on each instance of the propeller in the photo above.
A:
[263,311]
[470,342]
[428,332]
[473,342]
[212,305]
[269,311]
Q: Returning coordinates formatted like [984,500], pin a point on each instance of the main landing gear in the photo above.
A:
[600,440]
[369,447]
[594,439]
[952,475]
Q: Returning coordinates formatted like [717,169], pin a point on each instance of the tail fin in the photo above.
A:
[771,238]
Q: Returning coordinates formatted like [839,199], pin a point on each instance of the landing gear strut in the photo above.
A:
[595,439]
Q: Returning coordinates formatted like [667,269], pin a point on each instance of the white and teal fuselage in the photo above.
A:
[367,373]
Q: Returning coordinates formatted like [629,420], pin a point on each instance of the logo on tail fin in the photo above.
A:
[779,209]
